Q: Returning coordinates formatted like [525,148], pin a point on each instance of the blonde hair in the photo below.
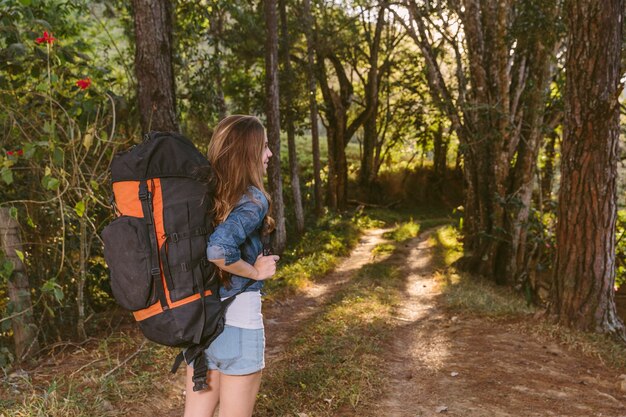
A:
[236,157]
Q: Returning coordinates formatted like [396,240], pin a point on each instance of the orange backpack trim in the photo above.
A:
[128,204]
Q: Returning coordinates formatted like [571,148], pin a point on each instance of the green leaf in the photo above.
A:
[20,254]
[7,269]
[7,175]
[58,156]
[30,222]
[26,2]
[94,185]
[58,294]
[29,150]
[79,208]
[13,212]
[50,183]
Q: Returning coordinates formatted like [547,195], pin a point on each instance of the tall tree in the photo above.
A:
[497,114]
[153,65]
[279,239]
[338,90]
[370,126]
[583,294]
[24,328]
[289,119]
[313,116]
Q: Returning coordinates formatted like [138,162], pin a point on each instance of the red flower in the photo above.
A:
[19,152]
[47,37]
[84,83]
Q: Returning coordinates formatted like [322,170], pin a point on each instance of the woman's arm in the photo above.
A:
[263,268]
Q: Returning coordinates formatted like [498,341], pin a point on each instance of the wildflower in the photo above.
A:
[84,83]
[47,37]
[19,152]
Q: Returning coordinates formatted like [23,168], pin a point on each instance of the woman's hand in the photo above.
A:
[265,266]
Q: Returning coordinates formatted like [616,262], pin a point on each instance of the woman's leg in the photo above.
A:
[202,403]
[238,394]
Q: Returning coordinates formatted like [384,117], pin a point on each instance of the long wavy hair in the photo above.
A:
[236,156]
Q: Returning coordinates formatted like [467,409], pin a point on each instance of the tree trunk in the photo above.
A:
[488,118]
[217,31]
[24,328]
[279,237]
[156,90]
[315,140]
[370,131]
[80,293]
[547,174]
[440,152]
[291,130]
[538,64]
[582,295]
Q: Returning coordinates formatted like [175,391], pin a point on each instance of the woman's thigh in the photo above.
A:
[202,403]
[238,394]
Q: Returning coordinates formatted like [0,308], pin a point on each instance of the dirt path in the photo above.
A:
[284,319]
[456,365]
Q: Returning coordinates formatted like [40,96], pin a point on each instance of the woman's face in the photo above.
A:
[267,154]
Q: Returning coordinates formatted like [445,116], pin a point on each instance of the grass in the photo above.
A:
[331,367]
[316,254]
[474,295]
[468,293]
[79,384]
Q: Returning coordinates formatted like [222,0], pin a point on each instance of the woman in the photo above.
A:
[238,153]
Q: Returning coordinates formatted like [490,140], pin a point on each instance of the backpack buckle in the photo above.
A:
[144,193]
[174,237]
[155,271]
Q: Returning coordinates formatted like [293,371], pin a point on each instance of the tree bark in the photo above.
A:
[279,237]
[582,295]
[440,152]
[156,91]
[547,174]
[82,279]
[24,328]
[291,130]
[217,32]
[315,140]
[370,131]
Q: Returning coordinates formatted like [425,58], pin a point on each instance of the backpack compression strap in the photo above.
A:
[145,196]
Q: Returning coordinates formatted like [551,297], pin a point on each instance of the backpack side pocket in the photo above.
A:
[127,253]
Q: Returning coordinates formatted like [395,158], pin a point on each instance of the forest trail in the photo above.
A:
[445,363]
[441,362]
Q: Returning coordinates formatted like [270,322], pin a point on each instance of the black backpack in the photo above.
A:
[155,248]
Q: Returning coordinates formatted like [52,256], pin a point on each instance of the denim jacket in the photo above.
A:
[239,237]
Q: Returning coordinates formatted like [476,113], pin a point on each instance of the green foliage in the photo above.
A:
[404,231]
[59,123]
[620,249]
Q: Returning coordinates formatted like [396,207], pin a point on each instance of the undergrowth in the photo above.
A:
[475,295]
